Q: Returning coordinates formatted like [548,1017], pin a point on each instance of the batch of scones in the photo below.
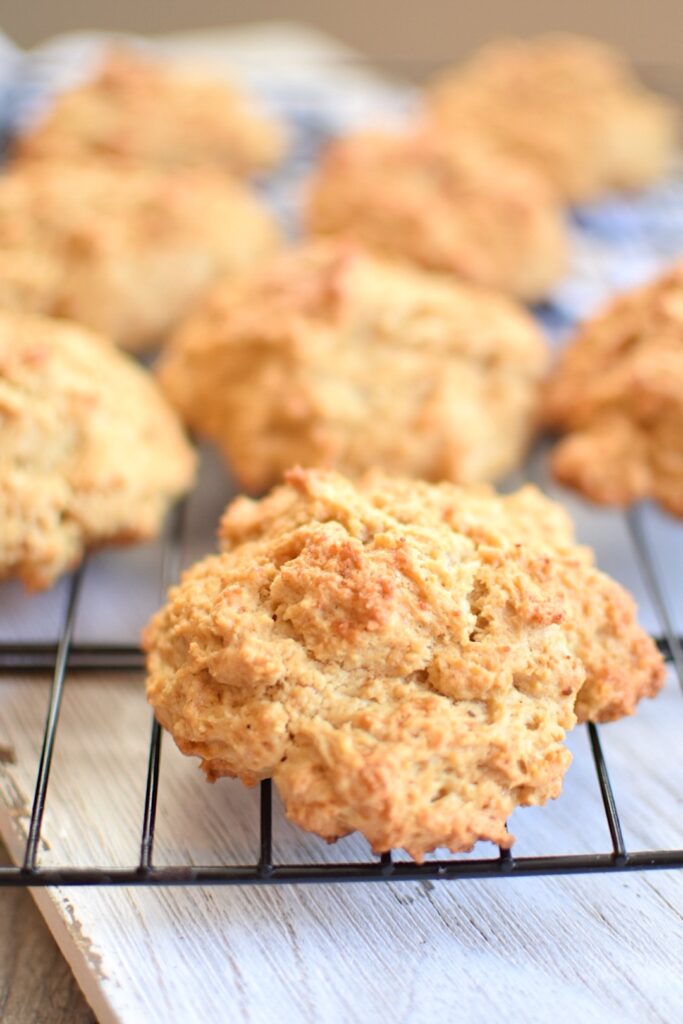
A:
[123,250]
[617,393]
[137,109]
[400,648]
[460,210]
[90,453]
[569,107]
[402,658]
[326,356]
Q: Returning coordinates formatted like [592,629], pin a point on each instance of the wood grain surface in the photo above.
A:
[36,983]
[523,950]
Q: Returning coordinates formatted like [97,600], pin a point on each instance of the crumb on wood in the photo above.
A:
[8,754]
[82,941]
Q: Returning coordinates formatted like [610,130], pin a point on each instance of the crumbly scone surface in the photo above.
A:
[462,210]
[123,250]
[569,106]
[402,658]
[90,452]
[139,108]
[617,393]
[328,357]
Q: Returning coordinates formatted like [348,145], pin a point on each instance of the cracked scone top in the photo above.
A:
[617,394]
[329,357]
[403,659]
[123,250]
[462,210]
[90,452]
[569,106]
[138,108]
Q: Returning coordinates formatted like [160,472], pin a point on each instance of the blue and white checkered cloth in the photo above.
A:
[616,243]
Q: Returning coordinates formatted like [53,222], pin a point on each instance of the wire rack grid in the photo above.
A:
[66,657]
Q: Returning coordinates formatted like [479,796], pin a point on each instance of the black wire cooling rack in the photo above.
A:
[66,656]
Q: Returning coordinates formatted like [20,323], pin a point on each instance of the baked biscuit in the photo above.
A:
[403,659]
[569,106]
[139,108]
[123,250]
[330,357]
[618,395]
[90,453]
[457,209]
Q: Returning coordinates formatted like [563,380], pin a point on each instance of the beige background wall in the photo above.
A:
[431,30]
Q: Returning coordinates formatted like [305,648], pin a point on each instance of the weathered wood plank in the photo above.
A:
[607,947]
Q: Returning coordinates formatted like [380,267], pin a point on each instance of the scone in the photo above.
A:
[123,250]
[461,210]
[139,108]
[330,357]
[403,659]
[617,393]
[569,106]
[90,452]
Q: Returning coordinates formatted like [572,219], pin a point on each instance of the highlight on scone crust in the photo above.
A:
[461,209]
[330,357]
[123,250]
[137,107]
[571,107]
[90,452]
[403,659]
[617,394]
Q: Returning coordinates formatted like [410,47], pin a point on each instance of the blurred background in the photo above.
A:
[429,32]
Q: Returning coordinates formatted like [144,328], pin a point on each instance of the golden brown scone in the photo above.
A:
[569,106]
[123,250]
[618,394]
[461,210]
[139,108]
[90,452]
[330,357]
[401,658]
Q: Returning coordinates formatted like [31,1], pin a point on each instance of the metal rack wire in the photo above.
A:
[66,656]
